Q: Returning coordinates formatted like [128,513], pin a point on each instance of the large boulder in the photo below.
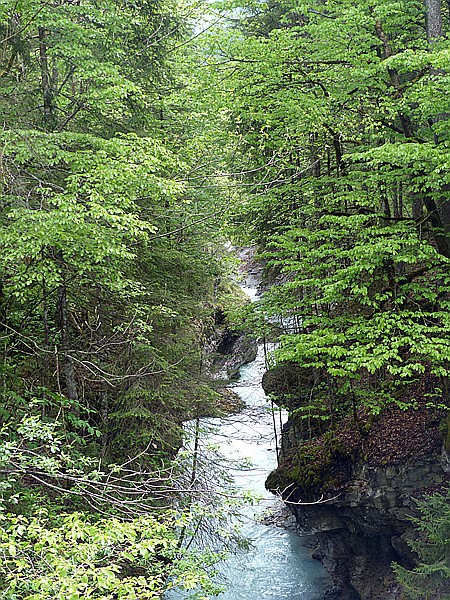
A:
[289,384]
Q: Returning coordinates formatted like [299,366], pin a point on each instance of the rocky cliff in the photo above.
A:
[227,350]
[351,485]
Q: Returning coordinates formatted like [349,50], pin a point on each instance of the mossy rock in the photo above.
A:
[279,479]
[289,383]
[314,467]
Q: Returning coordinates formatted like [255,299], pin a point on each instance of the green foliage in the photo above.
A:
[80,558]
[88,529]
[332,122]
[343,127]
[369,274]
[107,282]
[108,277]
[430,577]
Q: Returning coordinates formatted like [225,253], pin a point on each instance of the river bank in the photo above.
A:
[367,476]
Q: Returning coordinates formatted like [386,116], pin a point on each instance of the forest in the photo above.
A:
[140,137]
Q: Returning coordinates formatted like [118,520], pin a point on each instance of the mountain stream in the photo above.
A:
[277,566]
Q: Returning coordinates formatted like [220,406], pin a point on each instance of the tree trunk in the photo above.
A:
[439,219]
[394,76]
[433,19]
[314,155]
[103,396]
[68,367]
[69,378]
[46,84]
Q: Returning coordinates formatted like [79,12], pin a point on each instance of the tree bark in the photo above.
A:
[395,82]
[314,155]
[68,367]
[69,377]
[103,396]
[433,19]
[46,83]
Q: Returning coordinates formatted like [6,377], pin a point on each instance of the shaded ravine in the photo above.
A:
[277,565]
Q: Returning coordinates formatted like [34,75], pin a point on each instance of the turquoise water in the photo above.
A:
[277,566]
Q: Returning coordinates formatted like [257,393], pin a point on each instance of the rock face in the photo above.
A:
[226,351]
[359,533]
[233,351]
[352,487]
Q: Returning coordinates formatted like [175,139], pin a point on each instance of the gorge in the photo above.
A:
[139,137]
